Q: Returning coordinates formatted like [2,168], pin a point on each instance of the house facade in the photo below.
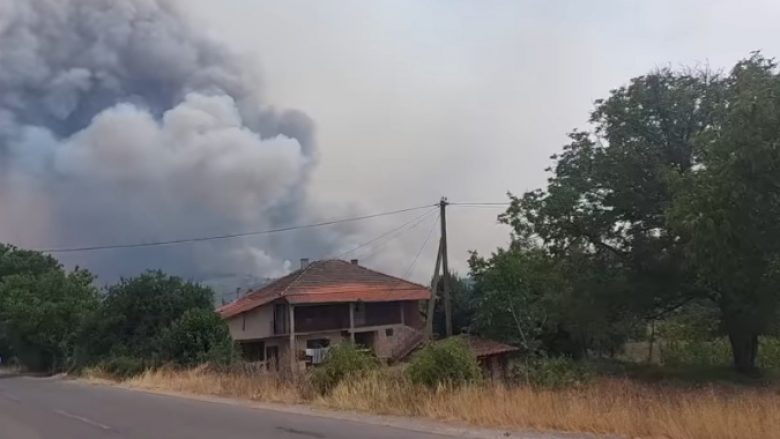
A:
[293,321]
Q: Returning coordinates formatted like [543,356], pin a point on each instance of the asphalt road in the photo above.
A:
[32,408]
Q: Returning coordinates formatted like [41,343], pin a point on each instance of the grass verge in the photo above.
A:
[605,406]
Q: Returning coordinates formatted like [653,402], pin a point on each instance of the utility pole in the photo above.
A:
[445,266]
[434,292]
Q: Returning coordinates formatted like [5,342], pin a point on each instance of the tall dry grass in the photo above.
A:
[616,407]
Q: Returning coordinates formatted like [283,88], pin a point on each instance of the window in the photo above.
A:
[317,343]
[389,332]
[253,351]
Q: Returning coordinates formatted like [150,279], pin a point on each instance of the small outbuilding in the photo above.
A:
[493,356]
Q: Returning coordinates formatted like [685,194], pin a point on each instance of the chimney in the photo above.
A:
[304,262]
[354,261]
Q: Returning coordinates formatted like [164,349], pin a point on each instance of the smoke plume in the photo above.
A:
[120,123]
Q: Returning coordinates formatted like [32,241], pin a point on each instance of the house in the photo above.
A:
[323,303]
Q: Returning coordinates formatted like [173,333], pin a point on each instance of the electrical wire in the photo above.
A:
[383,235]
[262,232]
[419,252]
[502,204]
[228,235]
[375,251]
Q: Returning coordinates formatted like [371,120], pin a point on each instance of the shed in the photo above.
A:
[492,355]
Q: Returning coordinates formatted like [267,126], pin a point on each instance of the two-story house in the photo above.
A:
[323,303]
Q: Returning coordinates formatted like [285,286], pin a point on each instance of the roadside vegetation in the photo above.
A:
[642,284]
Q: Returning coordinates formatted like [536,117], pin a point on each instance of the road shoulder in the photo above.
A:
[422,425]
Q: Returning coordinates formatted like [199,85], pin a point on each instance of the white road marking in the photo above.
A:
[83,419]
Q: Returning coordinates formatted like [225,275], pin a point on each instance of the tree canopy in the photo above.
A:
[671,197]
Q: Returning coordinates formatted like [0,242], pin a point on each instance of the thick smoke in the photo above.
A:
[120,123]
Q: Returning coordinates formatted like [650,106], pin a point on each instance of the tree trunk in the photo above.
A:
[744,349]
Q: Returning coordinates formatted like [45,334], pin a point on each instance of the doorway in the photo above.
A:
[272,357]
[365,339]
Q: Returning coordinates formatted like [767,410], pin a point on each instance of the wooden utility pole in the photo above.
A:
[445,266]
[434,292]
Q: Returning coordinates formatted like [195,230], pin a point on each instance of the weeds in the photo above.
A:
[601,406]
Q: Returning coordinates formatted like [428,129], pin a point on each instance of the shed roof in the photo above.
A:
[329,281]
[483,347]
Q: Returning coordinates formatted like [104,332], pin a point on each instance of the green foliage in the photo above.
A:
[726,209]
[344,360]
[41,314]
[549,372]
[670,198]
[515,287]
[135,312]
[549,304]
[14,260]
[123,367]
[716,352]
[464,302]
[198,336]
[447,362]
[601,218]
[19,261]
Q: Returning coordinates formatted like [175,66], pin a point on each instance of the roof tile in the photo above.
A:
[328,282]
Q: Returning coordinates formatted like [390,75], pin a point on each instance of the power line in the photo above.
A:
[376,250]
[498,204]
[228,235]
[387,233]
[419,252]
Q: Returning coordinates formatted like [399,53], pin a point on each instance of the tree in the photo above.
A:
[513,286]
[727,209]
[548,304]
[42,313]
[198,336]
[671,198]
[611,187]
[14,260]
[135,312]
[464,302]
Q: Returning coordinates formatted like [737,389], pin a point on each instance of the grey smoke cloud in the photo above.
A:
[119,122]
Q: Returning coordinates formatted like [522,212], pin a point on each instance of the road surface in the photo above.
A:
[33,408]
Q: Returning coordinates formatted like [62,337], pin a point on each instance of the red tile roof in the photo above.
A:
[328,282]
[483,347]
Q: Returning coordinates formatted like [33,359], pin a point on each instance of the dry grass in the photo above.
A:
[617,407]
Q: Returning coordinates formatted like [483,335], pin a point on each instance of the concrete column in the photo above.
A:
[401,307]
[293,348]
[351,322]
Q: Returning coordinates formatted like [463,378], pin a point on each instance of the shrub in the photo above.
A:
[122,366]
[198,336]
[343,360]
[717,352]
[448,362]
[696,353]
[549,372]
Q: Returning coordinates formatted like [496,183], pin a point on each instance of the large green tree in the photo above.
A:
[42,313]
[727,210]
[671,197]
[135,312]
[610,187]
[30,277]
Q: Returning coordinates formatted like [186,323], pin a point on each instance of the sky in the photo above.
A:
[414,100]
[407,101]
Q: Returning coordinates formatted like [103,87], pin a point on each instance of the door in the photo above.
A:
[272,357]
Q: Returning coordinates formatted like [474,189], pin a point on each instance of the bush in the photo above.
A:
[122,367]
[549,372]
[448,362]
[198,336]
[717,352]
[343,360]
